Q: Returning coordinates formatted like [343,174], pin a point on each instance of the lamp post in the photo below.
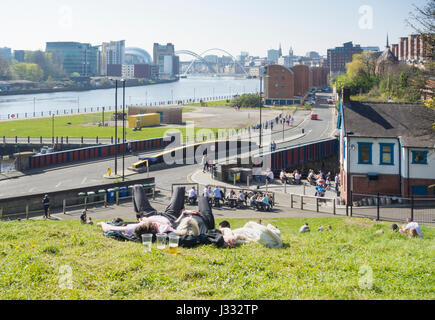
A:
[261,119]
[116,127]
[34,106]
[52,129]
[123,129]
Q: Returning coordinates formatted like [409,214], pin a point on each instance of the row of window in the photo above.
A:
[386,154]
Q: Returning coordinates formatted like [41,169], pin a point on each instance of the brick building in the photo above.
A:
[285,86]
[386,148]
[339,56]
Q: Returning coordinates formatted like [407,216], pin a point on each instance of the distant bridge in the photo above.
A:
[201,58]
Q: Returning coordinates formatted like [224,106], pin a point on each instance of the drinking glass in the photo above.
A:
[173,244]
[147,241]
[161,241]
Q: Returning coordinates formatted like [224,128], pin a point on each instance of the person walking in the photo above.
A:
[204,163]
[46,204]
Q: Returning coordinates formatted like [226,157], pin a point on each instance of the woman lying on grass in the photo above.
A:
[268,236]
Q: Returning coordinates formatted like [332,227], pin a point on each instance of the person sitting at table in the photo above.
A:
[282,176]
[266,203]
[269,176]
[241,199]
[231,198]
[193,195]
[217,195]
[321,182]
[297,177]
[253,201]
[311,178]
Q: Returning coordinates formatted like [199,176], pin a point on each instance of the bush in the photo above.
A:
[247,101]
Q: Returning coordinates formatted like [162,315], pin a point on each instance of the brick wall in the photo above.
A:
[407,184]
[302,79]
[279,83]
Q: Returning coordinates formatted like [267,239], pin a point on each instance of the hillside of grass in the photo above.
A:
[66,260]
[81,125]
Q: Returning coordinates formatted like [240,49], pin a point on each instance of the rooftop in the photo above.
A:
[410,121]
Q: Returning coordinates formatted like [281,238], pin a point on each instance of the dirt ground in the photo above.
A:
[214,117]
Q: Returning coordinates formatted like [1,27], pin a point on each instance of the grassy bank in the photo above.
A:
[40,259]
[76,126]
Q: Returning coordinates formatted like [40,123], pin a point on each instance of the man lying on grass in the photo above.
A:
[194,227]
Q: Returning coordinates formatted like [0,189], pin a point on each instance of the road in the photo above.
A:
[87,174]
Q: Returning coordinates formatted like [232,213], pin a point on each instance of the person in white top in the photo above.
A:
[298,177]
[193,195]
[413,228]
[270,176]
[282,176]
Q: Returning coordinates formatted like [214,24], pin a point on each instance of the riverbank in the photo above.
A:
[81,88]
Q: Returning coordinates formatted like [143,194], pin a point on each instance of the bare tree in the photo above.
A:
[422,20]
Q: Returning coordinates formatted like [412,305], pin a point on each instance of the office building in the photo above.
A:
[112,52]
[168,63]
[273,56]
[19,55]
[75,57]
[5,53]
[339,56]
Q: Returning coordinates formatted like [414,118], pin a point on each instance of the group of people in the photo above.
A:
[260,201]
[194,227]
[280,119]
[292,178]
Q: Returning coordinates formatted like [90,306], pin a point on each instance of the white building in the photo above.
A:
[386,148]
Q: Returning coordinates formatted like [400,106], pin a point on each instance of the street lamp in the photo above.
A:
[123,129]
[52,129]
[116,127]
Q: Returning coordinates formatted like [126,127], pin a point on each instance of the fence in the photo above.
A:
[392,208]
[312,203]
[78,110]
[84,200]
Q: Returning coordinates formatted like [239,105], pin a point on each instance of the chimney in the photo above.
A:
[346,95]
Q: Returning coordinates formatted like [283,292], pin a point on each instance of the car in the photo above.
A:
[314,116]
[330,101]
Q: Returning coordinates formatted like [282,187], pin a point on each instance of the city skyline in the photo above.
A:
[241,28]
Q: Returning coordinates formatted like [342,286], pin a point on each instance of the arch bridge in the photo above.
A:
[201,58]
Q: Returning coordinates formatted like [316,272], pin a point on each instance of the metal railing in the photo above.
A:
[84,201]
[312,203]
[392,208]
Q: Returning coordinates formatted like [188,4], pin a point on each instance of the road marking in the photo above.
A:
[31,190]
[84,180]
[58,185]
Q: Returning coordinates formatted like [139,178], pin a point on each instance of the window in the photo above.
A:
[386,154]
[364,153]
[419,157]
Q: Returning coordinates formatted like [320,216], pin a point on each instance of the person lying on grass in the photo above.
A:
[154,225]
[269,236]
[193,227]
[413,228]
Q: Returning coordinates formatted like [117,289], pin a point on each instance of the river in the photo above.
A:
[185,89]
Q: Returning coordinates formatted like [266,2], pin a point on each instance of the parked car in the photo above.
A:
[314,116]
[330,101]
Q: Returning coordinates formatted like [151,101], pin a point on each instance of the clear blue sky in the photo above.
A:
[197,25]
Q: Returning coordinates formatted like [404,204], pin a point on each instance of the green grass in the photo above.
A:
[82,125]
[33,256]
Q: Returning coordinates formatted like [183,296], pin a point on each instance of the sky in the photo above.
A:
[197,25]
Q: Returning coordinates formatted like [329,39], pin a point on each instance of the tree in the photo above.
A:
[28,71]
[247,101]
[422,20]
